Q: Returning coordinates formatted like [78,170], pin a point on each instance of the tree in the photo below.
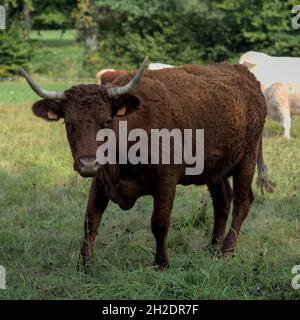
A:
[131,29]
[53,14]
[14,45]
[27,8]
[86,23]
[260,25]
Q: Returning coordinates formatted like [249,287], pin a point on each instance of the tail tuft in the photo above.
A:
[263,182]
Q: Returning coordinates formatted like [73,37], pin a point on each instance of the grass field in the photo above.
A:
[42,205]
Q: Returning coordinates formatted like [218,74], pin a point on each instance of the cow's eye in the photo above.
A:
[108,122]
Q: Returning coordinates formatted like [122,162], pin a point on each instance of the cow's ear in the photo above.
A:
[126,104]
[48,109]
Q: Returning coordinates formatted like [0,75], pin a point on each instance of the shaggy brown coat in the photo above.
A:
[224,100]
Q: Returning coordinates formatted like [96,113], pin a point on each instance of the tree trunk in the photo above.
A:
[27,18]
[90,35]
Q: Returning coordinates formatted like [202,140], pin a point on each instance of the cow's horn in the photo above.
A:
[119,91]
[51,95]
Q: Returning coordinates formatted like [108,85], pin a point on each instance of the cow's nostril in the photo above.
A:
[87,166]
[88,162]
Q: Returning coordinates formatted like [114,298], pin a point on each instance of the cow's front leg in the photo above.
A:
[285,119]
[160,221]
[221,194]
[96,205]
[242,199]
[287,125]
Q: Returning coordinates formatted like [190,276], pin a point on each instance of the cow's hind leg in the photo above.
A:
[242,198]
[97,203]
[221,194]
[286,123]
[160,221]
[284,113]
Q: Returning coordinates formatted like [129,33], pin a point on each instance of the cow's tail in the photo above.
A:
[263,182]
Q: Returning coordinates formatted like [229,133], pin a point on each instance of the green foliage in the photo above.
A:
[258,25]
[129,30]
[53,14]
[120,33]
[51,19]
[192,31]
[14,49]
[57,55]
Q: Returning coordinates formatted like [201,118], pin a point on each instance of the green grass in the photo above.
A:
[54,35]
[58,55]
[42,205]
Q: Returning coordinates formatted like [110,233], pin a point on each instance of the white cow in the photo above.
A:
[280,83]
[159,66]
[269,70]
[283,100]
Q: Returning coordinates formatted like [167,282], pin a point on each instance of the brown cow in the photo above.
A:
[106,76]
[224,100]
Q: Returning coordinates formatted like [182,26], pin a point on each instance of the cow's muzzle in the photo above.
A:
[87,166]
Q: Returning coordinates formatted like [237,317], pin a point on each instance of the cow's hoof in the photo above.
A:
[161,265]
[229,245]
[84,263]
[228,251]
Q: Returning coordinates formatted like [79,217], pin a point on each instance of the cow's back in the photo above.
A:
[224,100]
[219,98]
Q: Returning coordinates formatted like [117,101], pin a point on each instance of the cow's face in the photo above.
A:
[86,110]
